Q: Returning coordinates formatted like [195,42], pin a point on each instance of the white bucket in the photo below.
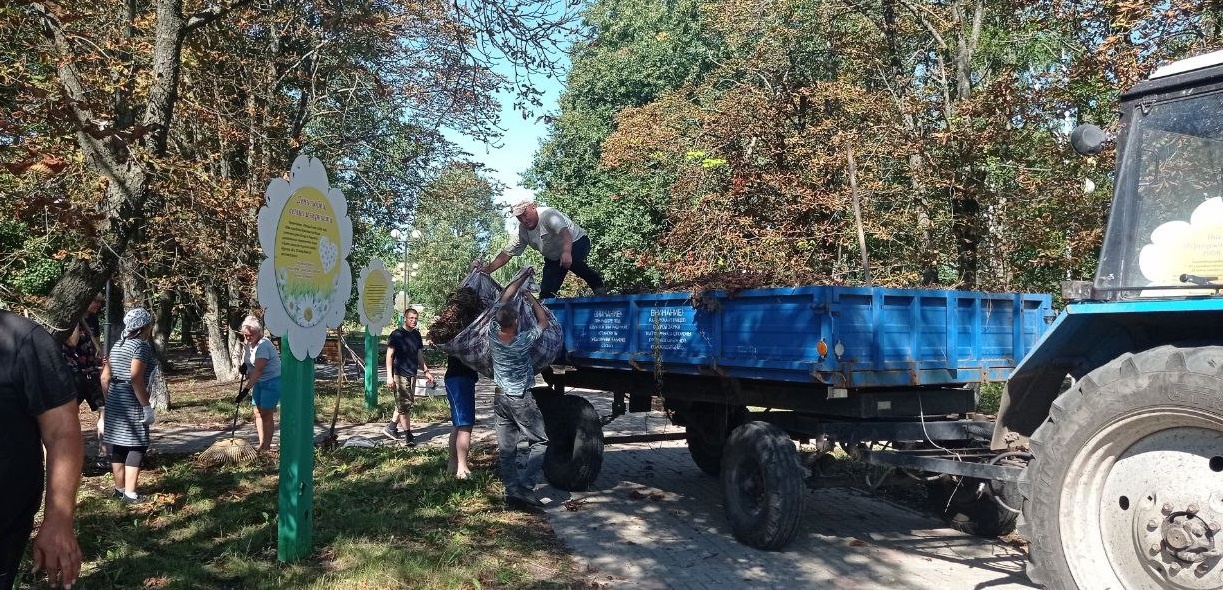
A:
[424,388]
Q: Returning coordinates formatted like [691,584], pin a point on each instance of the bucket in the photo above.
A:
[424,388]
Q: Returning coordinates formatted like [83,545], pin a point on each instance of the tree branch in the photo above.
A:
[212,14]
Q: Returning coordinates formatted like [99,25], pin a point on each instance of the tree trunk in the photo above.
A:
[966,229]
[224,365]
[190,325]
[133,290]
[159,390]
[163,322]
[128,176]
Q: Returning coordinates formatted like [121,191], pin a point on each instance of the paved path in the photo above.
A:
[653,520]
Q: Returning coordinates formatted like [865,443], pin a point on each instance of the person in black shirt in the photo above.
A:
[38,408]
[404,355]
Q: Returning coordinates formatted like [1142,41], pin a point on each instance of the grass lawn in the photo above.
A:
[384,518]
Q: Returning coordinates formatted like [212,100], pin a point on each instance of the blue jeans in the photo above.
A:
[519,416]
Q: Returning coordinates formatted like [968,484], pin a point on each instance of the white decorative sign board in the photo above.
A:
[306,235]
[1194,247]
[374,296]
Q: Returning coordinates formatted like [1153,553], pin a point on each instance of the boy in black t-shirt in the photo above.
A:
[404,355]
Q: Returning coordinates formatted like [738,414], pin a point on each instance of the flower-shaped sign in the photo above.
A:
[1178,247]
[374,296]
[306,234]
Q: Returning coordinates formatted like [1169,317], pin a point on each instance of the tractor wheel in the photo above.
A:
[575,443]
[1125,488]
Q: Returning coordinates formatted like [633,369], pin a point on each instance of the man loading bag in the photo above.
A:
[562,242]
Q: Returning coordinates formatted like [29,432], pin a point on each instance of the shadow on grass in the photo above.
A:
[384,518]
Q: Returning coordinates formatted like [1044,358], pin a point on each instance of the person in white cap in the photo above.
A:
[129,413]
[562,242]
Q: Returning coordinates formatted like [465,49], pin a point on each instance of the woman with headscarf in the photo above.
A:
[261,365]
[125,378]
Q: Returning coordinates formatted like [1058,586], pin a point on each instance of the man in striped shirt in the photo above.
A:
[517,413]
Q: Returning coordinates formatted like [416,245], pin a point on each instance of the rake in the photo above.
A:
[232,450]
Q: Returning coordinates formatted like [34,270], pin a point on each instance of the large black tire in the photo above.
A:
[1126,467]
[968,505]
[763,484]
[707,429]
[575,443]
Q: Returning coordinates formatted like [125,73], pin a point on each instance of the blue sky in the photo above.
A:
[518,144]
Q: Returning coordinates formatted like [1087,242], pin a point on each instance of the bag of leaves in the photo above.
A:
[462,308]
[471,344]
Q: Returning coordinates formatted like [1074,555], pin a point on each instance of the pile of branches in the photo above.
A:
[737,280]
[462,308]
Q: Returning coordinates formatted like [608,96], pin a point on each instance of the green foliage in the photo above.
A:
[989,397]
[13,234]
[38,276]
[637,50]
[28,266]
[458,221]
[699,141]
[176,125]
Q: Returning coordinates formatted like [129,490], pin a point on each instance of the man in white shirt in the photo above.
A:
[562,242]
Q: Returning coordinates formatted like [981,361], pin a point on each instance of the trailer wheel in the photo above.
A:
[968,505]
[1123,487]
[707,429]
[575,443]
[763,485]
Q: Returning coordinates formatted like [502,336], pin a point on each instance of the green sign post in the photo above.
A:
[371,370]
[296,528]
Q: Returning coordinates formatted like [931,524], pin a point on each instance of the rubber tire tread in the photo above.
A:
[708,457]
[764,447]
[982,517]
[1119,386]
[575,443]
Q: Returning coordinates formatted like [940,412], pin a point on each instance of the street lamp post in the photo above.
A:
[407,285]
[415,235]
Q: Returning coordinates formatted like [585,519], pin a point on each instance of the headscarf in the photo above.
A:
[135,319]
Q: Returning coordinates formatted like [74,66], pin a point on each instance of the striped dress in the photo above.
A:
[124,417]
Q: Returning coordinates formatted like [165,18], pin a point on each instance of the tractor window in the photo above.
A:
[1165,233]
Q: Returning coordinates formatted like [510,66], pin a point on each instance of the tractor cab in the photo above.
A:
[1165,231]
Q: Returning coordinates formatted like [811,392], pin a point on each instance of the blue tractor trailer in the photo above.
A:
[1109,438]
[748,373]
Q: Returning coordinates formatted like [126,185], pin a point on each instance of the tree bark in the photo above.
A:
[224,364]
[163,322]
[159,390]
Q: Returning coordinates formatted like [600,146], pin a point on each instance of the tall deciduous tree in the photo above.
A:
[957,111]
[161,122]
[636,51]
[459,222]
